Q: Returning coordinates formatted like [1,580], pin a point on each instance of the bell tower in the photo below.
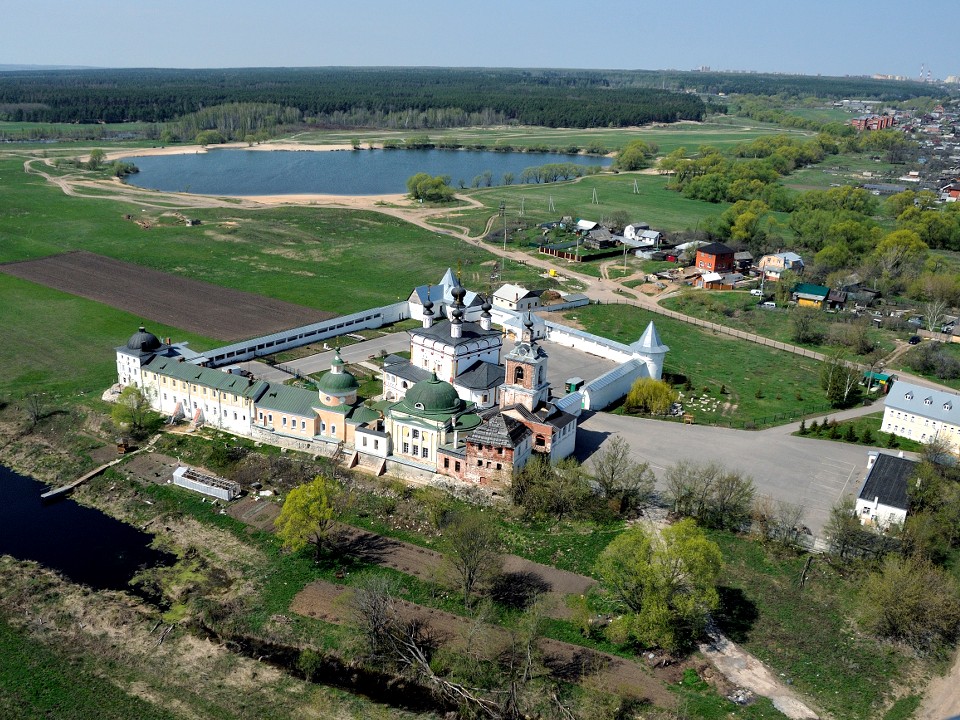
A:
[526,373]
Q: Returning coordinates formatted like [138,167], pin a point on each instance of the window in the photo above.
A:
[333,429]
[484,398]
[164,396]
[406,448]
[303,424]
[518,375]
[424,452]
[364,443]
[270,417]
[456,466]
[415,434]
[284,421]
[234,416]
[376,444]
[499,466]
[479,463]
[446,463]
[499,451]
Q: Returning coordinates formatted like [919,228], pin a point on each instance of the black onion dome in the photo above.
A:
[143,341]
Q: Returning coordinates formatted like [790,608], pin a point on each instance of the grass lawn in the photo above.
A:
[860,425]
[653,203]
[38,682]
[807,634]
[762,385]
[844,169]
[61,344]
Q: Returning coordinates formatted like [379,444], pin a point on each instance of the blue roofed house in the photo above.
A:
[923,414]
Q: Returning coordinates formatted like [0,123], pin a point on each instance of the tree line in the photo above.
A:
[574,99]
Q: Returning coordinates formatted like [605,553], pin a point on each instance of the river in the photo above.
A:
[84,544]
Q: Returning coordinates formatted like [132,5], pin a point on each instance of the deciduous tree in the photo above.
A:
[308,515]
[621,479]
[133,412]
[474,550]
[665,582]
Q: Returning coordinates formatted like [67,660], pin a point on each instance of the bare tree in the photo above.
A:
[934,310]
[474,544]
[35,407]
[844,528]
[621,478]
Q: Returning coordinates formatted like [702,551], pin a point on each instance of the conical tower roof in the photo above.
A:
[650,341]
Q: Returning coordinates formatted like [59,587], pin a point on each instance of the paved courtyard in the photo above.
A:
[812,473]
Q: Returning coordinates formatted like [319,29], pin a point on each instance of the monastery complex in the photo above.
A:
[463,406]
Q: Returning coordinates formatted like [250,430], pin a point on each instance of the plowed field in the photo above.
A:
[191,305]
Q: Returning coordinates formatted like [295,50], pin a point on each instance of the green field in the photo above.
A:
[653,203]
[722,132]
[845,169]
[761,385]
[38,682]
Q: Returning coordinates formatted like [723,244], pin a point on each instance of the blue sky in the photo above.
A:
[836,37]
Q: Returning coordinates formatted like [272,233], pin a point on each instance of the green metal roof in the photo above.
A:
[292,400]
[431,397]
[811,289]
[225,382]
[340,383]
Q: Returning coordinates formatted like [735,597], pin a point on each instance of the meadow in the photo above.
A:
[748,383]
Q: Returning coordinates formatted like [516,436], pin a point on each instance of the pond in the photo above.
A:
[84,544]
[346,172]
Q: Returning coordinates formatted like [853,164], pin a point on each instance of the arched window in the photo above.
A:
[518,375]
[540,379]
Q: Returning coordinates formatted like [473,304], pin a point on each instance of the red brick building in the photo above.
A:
[872,122]
[715,257]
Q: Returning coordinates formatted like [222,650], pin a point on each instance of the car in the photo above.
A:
[914,340]
[915,320]
[769,304]
[757,291]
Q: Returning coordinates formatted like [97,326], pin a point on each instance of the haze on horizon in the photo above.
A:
[817,37]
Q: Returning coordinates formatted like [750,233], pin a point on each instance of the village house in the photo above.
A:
[810,295]
[715,258]
[882,501]
[772,267]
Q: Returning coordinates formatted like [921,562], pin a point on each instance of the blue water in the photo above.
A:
[348,172]
[87,546]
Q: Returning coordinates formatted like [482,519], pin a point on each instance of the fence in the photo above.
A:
[733,332]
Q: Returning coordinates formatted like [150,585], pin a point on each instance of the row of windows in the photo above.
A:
[417,450]
[376,442]
[446,464]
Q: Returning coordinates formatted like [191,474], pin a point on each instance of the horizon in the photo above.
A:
[745,36]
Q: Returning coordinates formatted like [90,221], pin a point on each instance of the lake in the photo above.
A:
[84,544]
[348,172]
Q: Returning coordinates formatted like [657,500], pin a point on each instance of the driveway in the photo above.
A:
[812,473]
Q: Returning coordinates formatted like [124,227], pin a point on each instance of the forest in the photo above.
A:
[338,96]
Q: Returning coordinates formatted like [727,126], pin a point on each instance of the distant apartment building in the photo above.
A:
[872,122]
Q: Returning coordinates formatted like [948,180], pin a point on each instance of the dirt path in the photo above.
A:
[744,670]
[327,601]
[942,699]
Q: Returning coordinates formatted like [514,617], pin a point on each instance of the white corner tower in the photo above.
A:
[651,350]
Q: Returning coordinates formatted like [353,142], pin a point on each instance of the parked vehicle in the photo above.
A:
[757,291]
[914,340]
[769,304]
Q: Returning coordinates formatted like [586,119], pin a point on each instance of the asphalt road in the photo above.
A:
[812,473]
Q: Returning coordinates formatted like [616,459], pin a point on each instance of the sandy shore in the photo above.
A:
[352,201]
[197,149]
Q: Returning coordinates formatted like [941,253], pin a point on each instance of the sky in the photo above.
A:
[828,37]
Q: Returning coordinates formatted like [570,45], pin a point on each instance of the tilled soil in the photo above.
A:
[191,305]
[327,601]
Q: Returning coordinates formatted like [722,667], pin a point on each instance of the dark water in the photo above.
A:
[349,172]
[85,545]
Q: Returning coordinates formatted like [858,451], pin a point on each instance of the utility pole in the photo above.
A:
[503,214]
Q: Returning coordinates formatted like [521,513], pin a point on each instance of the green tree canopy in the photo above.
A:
[665,581]
[650,396]
[308,514]
[133,412]
[431,189]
